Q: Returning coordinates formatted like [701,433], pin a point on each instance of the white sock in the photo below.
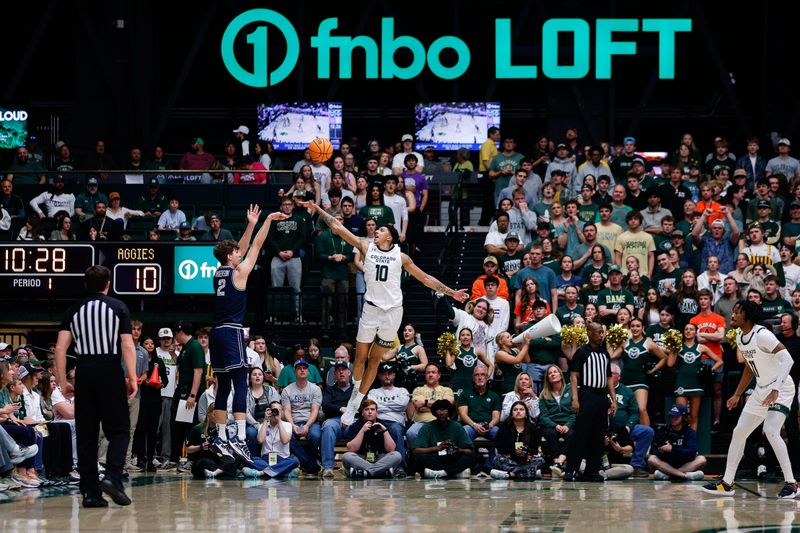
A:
[222,432]
[240,429]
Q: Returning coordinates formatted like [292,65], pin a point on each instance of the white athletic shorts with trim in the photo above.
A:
[783,403]
[379,325]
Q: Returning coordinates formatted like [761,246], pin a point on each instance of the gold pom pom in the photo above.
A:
[574,335]
[446,343]
[673,340]
[616,335]
[731,335]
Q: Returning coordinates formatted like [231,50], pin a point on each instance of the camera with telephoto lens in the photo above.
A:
[274,412]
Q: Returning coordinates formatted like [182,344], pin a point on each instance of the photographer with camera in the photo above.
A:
[274,436]
[371,453]
[442,447]
[676,449]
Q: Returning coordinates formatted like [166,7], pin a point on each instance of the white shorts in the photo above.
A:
[782,404]
[379,325]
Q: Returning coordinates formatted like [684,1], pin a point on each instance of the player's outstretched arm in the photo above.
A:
[252,218]
[337,227]
[247,264]
[429,281]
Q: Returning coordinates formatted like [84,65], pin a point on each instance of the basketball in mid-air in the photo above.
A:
[321,150]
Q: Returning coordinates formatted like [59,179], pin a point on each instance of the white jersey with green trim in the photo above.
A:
[757,349]
[383,271]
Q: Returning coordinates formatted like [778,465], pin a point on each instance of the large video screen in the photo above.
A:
[13,127]
[450,126]
[293,126]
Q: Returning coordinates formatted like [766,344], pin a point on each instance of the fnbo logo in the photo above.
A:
[379,55]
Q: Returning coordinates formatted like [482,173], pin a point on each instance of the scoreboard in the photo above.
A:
[55,270]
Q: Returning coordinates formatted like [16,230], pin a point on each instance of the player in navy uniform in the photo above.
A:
[226,342]
[383,301]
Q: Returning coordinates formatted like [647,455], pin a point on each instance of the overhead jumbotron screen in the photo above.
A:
[293,126]
[453,125]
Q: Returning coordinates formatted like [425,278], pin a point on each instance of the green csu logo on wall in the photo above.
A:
[380,53]
[194,269]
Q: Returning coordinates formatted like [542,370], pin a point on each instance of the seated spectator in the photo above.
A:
[24,170]
[301,402]
[255,176]
[105,228]
[629,431]
[287,374]
[334,404]
[479,410]
[393,405]
[511,261]
[556,417]
[24,451]
[63,230]
[55,199]
[216,232]
[171,218]
[197,158]
[517,445]
[372,452]
[523,311]
[152,203]
[675,455]
[99,159]
[205,463]
[185,232]
[490,267]
[9,201]
[116,211]
[274,436]
[341,354]
[259,397]
[158,162]
[64,161]
[421,399]
[442,447]
[57,456]
[523,392]
[31,231]
[86,201]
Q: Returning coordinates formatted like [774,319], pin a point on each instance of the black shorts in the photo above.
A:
[226,348]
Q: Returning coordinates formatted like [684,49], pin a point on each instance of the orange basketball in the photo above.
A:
[321,150]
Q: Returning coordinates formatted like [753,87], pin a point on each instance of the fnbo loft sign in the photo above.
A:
[585,39]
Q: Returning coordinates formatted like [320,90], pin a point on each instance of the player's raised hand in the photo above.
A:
[278,216]
[309,203]
[253,213]
[461,295]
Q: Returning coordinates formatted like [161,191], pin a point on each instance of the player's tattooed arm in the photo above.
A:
[337,227]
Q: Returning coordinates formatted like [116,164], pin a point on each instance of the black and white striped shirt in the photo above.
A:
[593,366]
[96,323]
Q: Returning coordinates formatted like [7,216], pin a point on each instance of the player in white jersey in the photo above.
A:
[383,301]
[769,362]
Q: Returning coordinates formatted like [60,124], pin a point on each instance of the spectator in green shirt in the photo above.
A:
[442,447]
[334,255]
[191,365]
[24,170]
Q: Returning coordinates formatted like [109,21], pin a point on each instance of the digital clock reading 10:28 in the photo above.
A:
[45,259]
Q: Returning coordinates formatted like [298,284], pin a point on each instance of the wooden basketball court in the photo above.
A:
[169,502]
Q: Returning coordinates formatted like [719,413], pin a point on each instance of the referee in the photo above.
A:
[589,373]
[100,327]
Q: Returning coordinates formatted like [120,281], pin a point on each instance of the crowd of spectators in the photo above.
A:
[591,234]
